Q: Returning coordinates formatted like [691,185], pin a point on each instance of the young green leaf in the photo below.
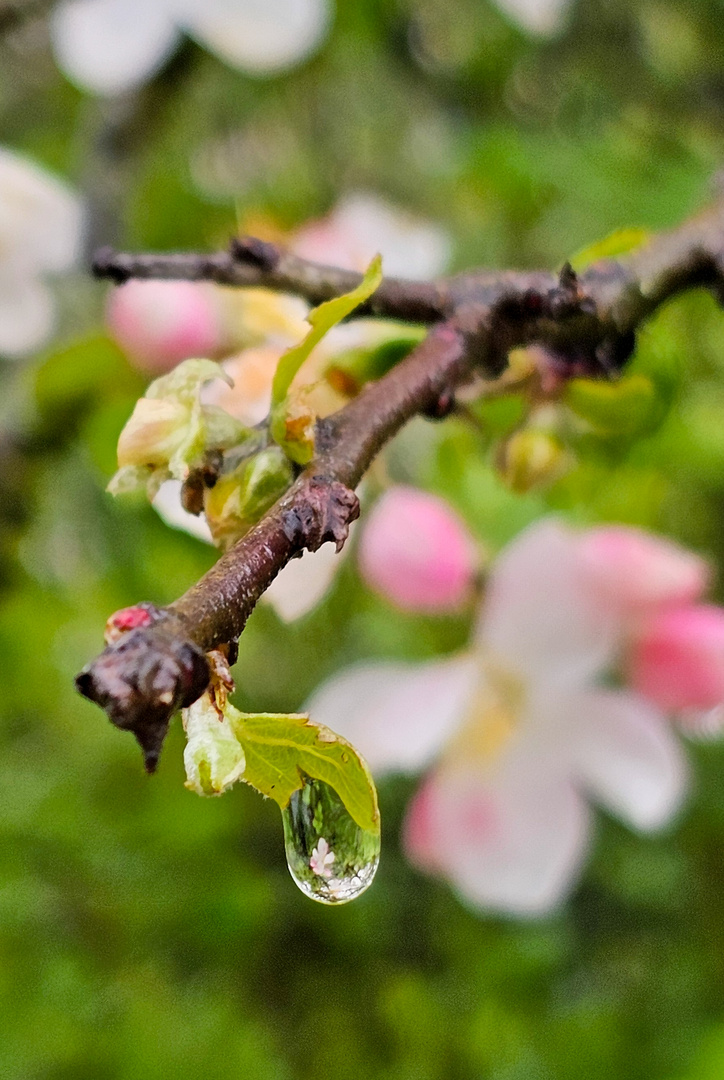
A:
[350,370]
[240,498]
[627,406]
[620,242]
[281,749]
[322,319]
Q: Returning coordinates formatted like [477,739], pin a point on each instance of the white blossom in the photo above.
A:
[523,733]
[40,235]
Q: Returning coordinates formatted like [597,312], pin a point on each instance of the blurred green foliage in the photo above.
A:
[145,932]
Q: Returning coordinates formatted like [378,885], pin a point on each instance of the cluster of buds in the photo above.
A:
[566,402]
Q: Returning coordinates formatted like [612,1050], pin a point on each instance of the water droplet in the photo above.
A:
[329,856]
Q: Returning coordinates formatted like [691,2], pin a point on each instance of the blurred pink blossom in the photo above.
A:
[363,224]
[521,730]
[160,323]
[417,552]
[677,658]
[637,573]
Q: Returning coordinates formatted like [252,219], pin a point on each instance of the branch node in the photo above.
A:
[326,514]
[255,252]
[142,679]
[442,407]
[105,265]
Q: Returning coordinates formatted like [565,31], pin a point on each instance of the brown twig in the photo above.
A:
[254,262]
[158,663]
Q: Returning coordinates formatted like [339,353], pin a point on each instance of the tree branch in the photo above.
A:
[252,262]
[156,662]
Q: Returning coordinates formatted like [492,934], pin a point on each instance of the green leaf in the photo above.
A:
[628,406]
[620,242]
[350,370]
[280,748]
[322,319]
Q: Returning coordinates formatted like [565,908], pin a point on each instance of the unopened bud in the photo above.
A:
[153,434]
[213,757]
[677,659]
[239,499]
[159,323]
[417,552]
[170,431]
[531,459]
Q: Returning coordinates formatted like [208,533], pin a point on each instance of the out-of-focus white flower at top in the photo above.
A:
[40,233]
[542,17]
[524,731]
[108,46]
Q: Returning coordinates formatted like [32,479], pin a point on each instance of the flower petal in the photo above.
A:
[510,840]
[417,552]
[302,583]
[167,503]
[544,17]
[26,315]
[627,756]
[397,715]
[540,616]
[108,46]
[259,36]
[40,218]
[362,224]
[677,658]
[636,572]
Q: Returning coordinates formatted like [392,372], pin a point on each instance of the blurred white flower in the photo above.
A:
[40,233]
[108,46]
[543,17]
[525,733]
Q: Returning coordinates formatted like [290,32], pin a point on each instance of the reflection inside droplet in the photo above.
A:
[329,856]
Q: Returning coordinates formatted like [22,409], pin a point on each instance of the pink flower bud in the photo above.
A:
[419,834]
[417,552]
[159,323]
[677,659]
[636,573]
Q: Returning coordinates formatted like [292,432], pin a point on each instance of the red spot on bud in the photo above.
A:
[130,618]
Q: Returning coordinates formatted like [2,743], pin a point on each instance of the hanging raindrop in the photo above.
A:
[329,856]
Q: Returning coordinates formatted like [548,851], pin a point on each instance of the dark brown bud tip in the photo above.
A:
[251,250]
[105,265]
[141,680]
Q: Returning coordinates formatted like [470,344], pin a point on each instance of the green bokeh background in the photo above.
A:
[147,933]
